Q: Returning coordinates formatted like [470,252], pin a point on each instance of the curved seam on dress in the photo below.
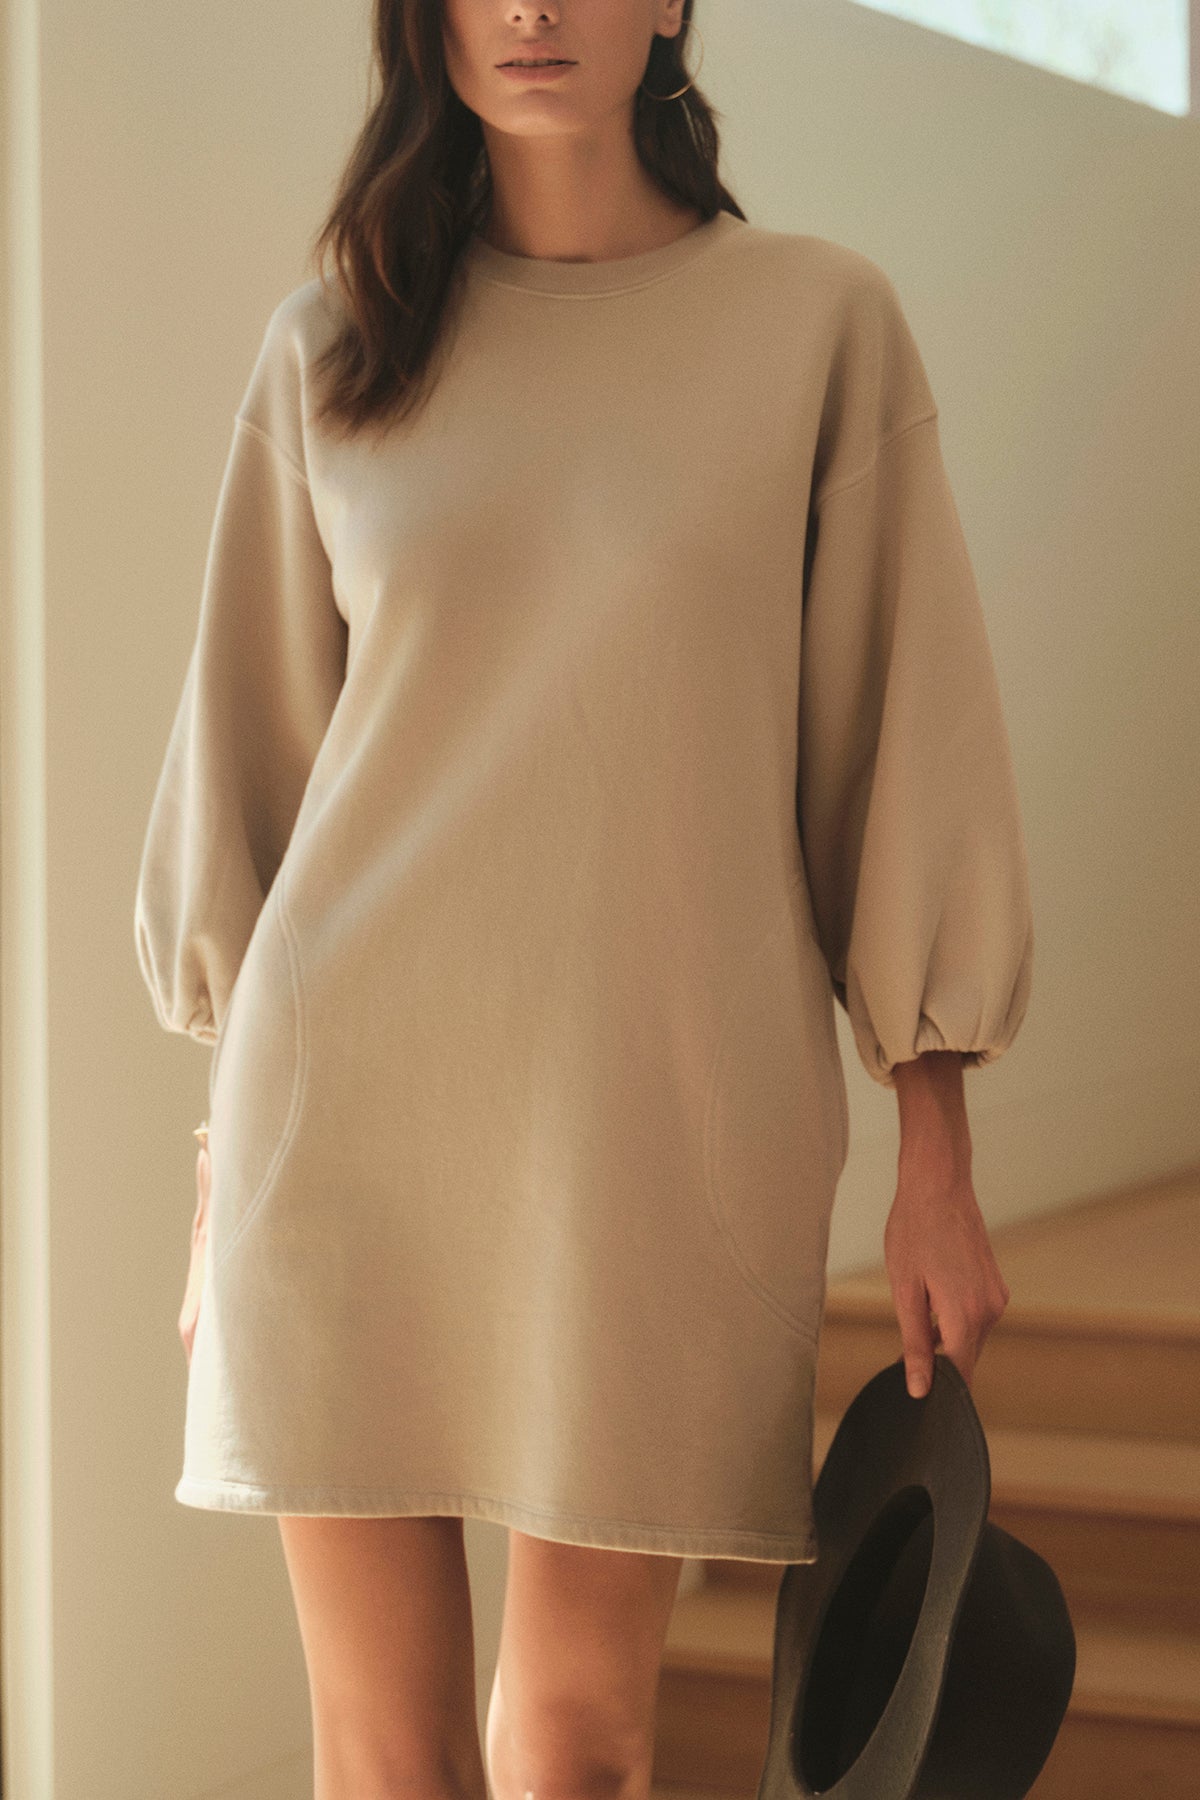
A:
[796,1325]
[299,1077]
[853,480]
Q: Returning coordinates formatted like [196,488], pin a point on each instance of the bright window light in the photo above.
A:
[1139,48]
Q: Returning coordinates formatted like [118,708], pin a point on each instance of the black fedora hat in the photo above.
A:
[926,1654]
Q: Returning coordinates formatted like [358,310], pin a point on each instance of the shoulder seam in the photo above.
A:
[289,463]
[853,480]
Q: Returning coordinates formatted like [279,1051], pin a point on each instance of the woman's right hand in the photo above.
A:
[195,1276]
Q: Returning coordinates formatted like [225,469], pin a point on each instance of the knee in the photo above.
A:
[583,1776]
[569,1751]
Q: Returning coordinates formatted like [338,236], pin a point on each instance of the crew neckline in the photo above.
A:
[551,275]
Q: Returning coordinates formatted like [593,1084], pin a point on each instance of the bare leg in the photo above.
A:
[384,1609]
[572,1711]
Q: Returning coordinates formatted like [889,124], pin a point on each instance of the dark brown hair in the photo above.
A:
[418,182]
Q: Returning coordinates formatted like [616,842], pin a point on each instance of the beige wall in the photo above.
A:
[1044,238]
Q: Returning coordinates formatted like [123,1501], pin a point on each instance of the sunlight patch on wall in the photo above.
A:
[1138,48]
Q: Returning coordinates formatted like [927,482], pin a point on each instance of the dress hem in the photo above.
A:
[602,1534]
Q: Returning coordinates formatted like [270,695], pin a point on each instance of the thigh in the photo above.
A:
[578,1667]
[384,1610]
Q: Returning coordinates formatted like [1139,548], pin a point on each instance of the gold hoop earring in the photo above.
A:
[683,90]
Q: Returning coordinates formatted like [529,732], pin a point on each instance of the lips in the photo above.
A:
[525,62]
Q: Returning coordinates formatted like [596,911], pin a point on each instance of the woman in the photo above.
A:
[590,686]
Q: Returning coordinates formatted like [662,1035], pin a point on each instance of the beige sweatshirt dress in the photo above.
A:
[542,773]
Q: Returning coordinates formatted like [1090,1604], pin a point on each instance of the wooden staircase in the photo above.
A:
[1088,1390]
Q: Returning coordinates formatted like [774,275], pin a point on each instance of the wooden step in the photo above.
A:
[1054,1370]
[1134,1715]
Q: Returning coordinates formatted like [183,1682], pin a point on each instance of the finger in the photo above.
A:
[916,1336]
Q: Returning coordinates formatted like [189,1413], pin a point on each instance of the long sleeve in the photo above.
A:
[906,797]
[265,671]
